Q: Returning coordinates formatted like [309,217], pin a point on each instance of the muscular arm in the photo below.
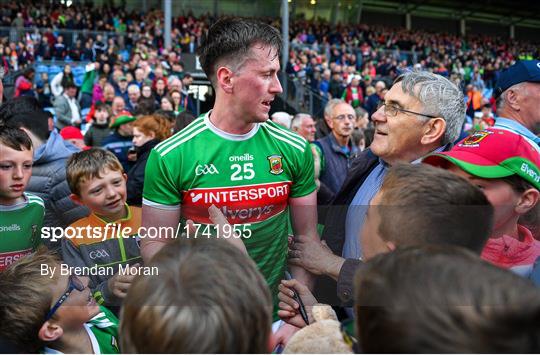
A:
[304,222]
[153,217]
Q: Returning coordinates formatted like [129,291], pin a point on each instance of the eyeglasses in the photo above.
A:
[342,117]
[392,110]
[74,283]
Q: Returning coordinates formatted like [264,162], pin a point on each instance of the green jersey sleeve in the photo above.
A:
[304,174]
[159,184]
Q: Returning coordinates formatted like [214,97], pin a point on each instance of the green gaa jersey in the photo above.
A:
[102,330]
[20,229]
[248,177]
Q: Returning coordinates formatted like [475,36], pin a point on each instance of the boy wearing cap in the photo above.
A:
[518,100]
[507,168]
[120,140]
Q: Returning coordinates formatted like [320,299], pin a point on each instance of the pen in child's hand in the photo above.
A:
[297,298]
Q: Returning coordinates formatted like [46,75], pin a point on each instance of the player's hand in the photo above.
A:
[289,309]
[119,284]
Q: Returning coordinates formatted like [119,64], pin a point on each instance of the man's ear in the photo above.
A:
[224,78]
[124,175]
[433,131]
[512,99]
[50,332]
[391,246]
[328,121]
[527,201]
[76,198]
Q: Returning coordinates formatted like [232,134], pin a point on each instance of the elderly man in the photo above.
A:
[304,125]
[518,99]
[134,93]
[420,114]
[335,151]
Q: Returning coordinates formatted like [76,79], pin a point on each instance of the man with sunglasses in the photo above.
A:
[420,114]
[335,151]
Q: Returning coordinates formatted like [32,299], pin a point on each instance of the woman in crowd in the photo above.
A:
[148,131]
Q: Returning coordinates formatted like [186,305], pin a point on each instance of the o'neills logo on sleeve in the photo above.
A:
[240,204]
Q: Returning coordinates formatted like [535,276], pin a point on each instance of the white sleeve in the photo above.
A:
[56,84]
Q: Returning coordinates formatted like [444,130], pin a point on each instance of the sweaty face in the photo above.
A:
[105,195]
[500,194]
[397,139]
[15,171]
[256,84]
[342,120]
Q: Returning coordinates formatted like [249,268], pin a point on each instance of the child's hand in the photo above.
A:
[289,308]
[119,284]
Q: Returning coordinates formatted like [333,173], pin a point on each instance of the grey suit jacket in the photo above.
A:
[63,112]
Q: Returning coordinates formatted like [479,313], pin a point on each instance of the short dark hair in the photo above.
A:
[444,299]
[231,38]
[26,112]
[14,138]
[183,119]
[208,298]
[421,204]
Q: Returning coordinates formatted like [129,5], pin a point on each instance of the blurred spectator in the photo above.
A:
[120,140]
[66,107]
[60,80]
[99,129]
[353,94]
[372,102]
[74,136]
[148,131]
[304,125]
[183,119]
[118,105]
[336,149]
[282,119]
[25,83]
[134,94]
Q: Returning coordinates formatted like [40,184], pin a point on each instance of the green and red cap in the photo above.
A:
[122,118]
[493,154]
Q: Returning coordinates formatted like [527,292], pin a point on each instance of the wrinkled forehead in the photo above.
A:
[397,96]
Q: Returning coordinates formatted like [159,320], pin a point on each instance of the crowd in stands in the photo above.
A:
[422,228]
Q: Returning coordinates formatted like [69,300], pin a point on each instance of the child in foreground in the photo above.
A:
[52,313]
[21,213]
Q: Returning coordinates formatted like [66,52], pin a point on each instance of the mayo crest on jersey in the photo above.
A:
[249,177]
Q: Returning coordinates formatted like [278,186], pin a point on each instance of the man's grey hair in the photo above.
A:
[329,108]
[439,96]
[297,120]
[133,88]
